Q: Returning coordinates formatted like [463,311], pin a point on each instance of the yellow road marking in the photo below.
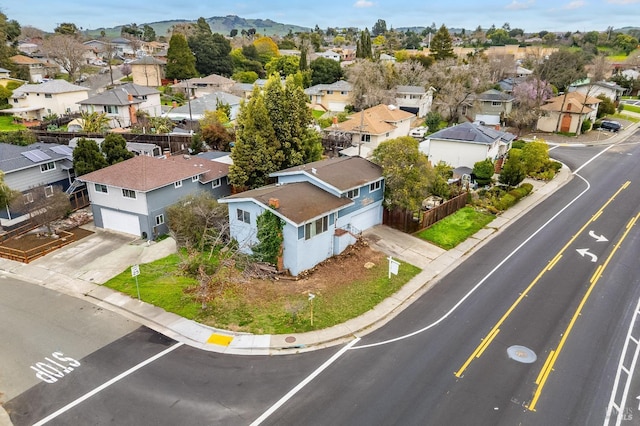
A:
[493,331]
[554,261]
[545,372]
[545,367]
[220,339]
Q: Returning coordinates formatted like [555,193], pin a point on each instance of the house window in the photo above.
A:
[28,198]
[48,191]
[496,103]
[101,188]
[129,193]
[354,193]
[177,184]
[228,181]
[47,166]
[195,178]
[159,219]
[329,92]
[343,93]
[110,109]
[375,186]
[48,95]
[365,138]
[215,183]
[243,216]
[316,227]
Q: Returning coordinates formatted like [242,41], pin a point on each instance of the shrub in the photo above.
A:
[519,144]
[585,127]
[505,202]
[555,165]
[527,187]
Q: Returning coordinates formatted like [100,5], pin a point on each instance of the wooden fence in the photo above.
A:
[411,222]
[26,256]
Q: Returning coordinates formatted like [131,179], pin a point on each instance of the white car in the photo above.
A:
[418,132]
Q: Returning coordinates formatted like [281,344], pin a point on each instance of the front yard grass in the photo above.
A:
[262,307]
[454,229]
[7,124]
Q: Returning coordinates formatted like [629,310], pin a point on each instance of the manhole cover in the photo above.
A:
[289,339]
[521,354]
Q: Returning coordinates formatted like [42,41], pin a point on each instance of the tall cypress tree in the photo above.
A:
[181,63]
[442,44]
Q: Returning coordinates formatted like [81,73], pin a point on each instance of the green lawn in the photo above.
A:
[633,108]
[316,113]
[161,285]
[7,124]
[454,229]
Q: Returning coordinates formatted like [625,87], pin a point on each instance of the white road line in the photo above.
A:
[106,385]
[303,383]
[619,408]
[485,278]
[592,158]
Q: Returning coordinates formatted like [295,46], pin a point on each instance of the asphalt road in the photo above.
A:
[562,283]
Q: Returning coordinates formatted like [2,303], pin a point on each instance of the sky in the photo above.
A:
[529,15]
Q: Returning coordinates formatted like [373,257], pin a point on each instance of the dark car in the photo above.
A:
[612,126]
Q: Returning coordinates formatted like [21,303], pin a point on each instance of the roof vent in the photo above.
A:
[314,170]
[391,107]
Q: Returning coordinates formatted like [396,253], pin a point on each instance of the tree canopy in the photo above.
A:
[407,173]
[441,46]
[181,63]
[87,157]
[325,71]
[210,50]
[114,148]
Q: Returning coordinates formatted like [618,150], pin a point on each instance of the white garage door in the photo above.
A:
[119,221]
[367,219]
[337,106]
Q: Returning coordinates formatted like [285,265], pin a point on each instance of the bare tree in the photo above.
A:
[600,67]
[501,66]
[455,84]
[43,204]
[66,51]
[411,73]
[372,84]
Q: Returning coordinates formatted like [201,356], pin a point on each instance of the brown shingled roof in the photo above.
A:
[299,202]
[376,121]
[144,173]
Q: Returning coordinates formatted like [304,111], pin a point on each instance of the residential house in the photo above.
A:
[368,128]
[122,46]
[607,88]
[36,68]
[35,167]
[148,71]
[132,196]
[195,109]
[566,113]
[490,107]
[245,90]
[122,103]
[138,148]
[330,97]
[466,144]
[324,205]
[414,99]
[387,59]
[154,48]
[196,87]
[5,77]
[35,101]
[328,54]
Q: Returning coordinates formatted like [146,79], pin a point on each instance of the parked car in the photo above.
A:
[418,132]
[612,126]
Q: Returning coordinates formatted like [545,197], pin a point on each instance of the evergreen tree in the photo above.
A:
[87,157]
[181,63]
[325,71]
[363,46]
[212,51]
[256,152]
[442,45]
[114,148]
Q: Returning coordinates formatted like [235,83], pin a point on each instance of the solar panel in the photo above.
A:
[62,150]
[36,155]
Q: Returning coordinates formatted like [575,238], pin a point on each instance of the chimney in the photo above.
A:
[166,153]
[335,120]
[274,202]
[497,127]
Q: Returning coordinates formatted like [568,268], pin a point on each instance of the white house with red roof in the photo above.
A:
[132,196]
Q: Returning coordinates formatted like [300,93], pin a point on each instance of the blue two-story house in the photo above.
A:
[324,206]
[132,196]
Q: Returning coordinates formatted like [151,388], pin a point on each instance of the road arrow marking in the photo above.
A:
[586,252]
[638,398]
[598,238]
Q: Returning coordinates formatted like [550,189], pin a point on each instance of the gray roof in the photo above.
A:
[472,133]
[120,95]
[212,155]
[494,95]
[208,102]
[148,60]
[49,87]
[15,157]
[342,173]
[338,86]
[411,89]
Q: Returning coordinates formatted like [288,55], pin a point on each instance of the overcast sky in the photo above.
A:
[530,15]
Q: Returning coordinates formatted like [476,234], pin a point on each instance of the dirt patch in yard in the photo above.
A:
[30,241]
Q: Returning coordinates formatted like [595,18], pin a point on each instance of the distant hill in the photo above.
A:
[218,24]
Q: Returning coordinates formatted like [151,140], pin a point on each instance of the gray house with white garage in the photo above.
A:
[132,196]
[324,206]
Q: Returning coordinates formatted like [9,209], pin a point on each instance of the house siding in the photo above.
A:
[22,180]
[458,154]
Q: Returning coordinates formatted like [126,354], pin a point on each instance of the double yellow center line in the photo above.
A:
[486,341]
